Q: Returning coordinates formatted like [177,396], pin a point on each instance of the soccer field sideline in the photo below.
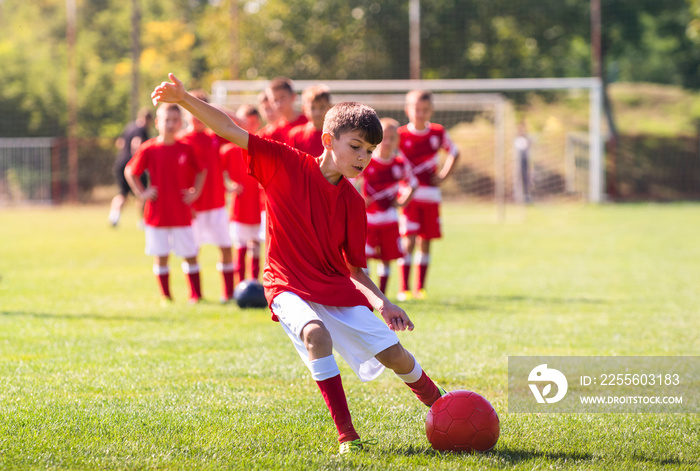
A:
[96,374]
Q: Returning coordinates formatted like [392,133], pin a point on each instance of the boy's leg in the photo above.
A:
[162,273]
[254,263]
[409,370]
[422,263]
[314,344]
[383,271]
[225,267]
[239,265]
[404,264]
[191,269]
[325,372]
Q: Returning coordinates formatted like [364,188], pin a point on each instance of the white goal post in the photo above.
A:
[486,91]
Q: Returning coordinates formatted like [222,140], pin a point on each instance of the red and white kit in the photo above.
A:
[421,149]
[382,183]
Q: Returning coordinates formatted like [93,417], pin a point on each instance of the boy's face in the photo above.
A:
[282,100]
[168,122]
[390,143]
[252,123]
[316,111]
[419,112]
[350,153]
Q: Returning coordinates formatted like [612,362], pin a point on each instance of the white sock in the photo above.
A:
[323,368]
[414,375]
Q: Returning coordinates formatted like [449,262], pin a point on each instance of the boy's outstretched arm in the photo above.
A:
[395,317]
[174,92]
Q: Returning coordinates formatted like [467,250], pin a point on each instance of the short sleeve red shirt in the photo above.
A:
[279,130]
[206,148]
[245,206]
[313,227]
[170,168]
[421,149]
[306,138]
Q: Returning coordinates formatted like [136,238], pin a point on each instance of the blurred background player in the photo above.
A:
[210,221]
[167,213]
[381,182]
[281,95]
[315,103]
[268,113]
[134,134]
[245,214]
[420,141]
[522,148]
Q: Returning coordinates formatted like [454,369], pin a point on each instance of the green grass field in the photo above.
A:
[95,374]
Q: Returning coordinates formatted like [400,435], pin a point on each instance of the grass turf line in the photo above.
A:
[94,373]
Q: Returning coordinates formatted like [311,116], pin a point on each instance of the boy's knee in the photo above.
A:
[396,358]
[316,338]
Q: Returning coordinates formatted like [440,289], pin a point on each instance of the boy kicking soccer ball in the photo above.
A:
[314,279]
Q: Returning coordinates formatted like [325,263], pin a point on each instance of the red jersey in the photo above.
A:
[206,147]
[306,138]
[421,151]
[381,185]
[245,207]
[313,227]
[279,130]
[170,169]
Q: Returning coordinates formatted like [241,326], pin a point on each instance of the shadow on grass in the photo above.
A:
[97,317]
[509,456]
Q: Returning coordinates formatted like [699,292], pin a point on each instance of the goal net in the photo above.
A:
[482,117]
[25,170]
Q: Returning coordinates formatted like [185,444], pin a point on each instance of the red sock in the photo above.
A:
[383,280]
[254,267]
[425,389]
[164,283]
[334,395]
[195,286]
[422,273]
[404,275]
[239,266]
[227,277]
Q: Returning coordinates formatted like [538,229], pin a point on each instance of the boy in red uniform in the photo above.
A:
[315,103]
[210,221]
[380,187]
[167,212]
[420,141]
[244,217]
[314,279]
[281,95]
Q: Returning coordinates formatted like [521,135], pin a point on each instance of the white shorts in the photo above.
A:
[358,335]
[160,241]
[211,227]
[243,234]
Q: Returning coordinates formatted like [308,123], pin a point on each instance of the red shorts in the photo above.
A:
[384,242]
[421,219]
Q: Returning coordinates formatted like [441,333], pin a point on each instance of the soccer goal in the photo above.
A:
[25,171]
[481,117]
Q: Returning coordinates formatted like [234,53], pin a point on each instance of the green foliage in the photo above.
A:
[95,374]
[319,39]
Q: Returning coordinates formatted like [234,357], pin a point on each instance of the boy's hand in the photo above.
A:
[395,317]
[189,196]
[169,92]
[150,193]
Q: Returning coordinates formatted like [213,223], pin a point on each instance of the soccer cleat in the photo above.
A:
[441,390]
[421,294]
[166,301]
[355,446]
[404,296]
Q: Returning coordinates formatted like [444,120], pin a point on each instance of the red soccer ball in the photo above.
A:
[462,421]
